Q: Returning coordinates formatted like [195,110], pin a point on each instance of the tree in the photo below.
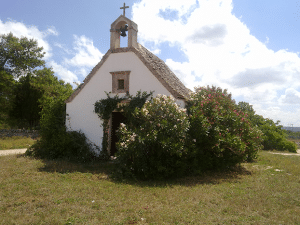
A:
[25,106]
[33,92]
[6,94]
[18,56]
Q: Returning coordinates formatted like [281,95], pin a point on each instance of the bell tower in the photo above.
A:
[119,28]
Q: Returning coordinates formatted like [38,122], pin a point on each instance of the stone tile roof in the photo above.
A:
[157,67]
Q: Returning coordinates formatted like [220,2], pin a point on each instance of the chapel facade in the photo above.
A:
[121,71]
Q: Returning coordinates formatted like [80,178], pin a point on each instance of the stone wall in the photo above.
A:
[19,132]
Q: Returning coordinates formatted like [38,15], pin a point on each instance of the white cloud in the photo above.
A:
[212,35]
[52,31]
[86,53]
[22,30]
[64,73]
[220,50]
[291,96]
[290,115]
[63,47]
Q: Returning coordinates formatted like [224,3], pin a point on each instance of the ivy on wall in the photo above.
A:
[126,104]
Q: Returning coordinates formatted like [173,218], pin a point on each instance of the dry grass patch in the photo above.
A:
[58,192]
[15,142]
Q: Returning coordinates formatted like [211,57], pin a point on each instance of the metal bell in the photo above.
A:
[123,31]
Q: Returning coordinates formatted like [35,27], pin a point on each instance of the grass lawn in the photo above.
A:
[15,142]
[57,192]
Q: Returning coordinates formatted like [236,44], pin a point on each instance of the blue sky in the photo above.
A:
[250,47]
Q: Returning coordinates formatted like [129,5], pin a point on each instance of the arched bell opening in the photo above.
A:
[123,33]
[122,28]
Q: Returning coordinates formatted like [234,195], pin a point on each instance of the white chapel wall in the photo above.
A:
[80,110]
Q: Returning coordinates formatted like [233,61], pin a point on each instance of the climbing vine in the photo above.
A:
[126,104]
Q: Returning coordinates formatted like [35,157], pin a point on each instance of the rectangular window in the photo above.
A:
[120,81]
[121,85]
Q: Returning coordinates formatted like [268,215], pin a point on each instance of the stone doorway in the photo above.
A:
[117,119]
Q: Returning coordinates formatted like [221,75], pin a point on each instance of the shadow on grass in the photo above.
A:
[106,169]
[211,178]
[64,166]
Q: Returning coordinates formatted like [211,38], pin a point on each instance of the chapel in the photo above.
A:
[121,71]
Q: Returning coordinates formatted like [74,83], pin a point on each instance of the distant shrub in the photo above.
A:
[153,144]
[220,135]
[273,136]
[275,139]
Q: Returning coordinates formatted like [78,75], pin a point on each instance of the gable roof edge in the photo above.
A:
[154,70]
[88,77]
[155,66]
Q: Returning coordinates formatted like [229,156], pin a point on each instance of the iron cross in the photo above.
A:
[124,7]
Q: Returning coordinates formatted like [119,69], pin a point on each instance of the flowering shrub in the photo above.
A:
[105,107]
[221,135]
[153,146]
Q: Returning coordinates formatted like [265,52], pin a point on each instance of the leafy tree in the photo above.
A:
[7,84]
[18,56]
[25,106]
[33,92]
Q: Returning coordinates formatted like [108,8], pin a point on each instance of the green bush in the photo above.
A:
[56,142]
[274,137]
[220,135]
[152,145]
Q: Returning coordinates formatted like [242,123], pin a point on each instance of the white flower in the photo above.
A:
[132,137]
[145,111]
[123,144]
[194,140]
[122,125]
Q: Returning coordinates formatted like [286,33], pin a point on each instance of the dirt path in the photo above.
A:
[12,151]
[298,153]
